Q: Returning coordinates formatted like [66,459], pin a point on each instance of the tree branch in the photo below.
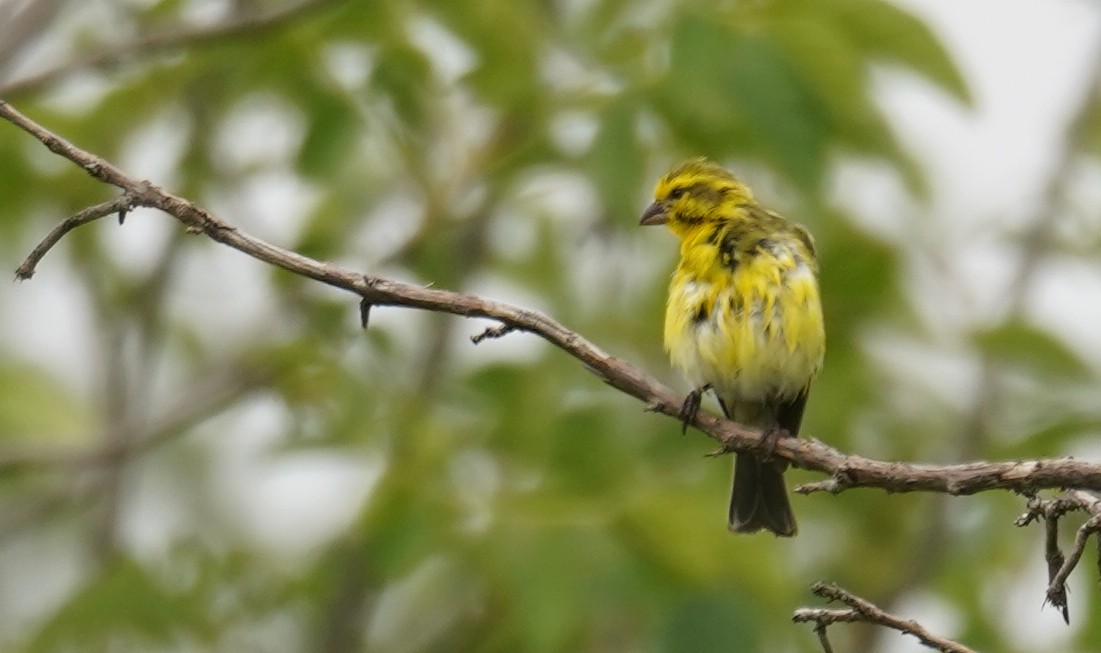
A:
[861,610]
[846,471]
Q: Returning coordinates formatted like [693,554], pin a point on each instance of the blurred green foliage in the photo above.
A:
[504,500]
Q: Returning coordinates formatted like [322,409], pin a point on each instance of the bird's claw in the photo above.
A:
[769,438]
[691,406]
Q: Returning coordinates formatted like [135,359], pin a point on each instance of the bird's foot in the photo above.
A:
[691,406]
[769,438]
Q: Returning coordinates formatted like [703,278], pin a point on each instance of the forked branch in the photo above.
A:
[1059,567]
[862,611]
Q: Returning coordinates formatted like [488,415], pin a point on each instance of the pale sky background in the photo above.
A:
[1026,63]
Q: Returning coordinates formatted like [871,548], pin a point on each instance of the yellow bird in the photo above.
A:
[744,319]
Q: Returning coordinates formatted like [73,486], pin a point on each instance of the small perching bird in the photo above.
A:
[744,319]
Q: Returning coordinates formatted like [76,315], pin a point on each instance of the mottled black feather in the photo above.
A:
[789,414]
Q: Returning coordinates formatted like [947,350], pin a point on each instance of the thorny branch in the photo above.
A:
[1059,566]
[846,471]
[863,611]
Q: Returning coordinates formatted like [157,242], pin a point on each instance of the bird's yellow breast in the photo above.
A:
[751,328]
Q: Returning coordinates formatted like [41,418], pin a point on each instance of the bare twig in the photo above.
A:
[1057,587]
[498,331]
[1060,566]
[846,471]
[120,205]
[1056,592]
[823,637]
[861,610]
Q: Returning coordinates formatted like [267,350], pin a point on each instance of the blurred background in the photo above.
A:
[199,453]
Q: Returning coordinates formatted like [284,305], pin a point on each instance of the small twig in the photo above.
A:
[1057,587]
[498,331]
[823,638]
[1039,509]
[840,481]
[1056,591]
[861,610]
[1097,540]
[1059,567]
[119,205]
[822,619]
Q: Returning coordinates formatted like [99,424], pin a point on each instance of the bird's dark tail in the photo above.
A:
[759,498]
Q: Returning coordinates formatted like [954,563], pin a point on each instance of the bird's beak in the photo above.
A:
[654,214]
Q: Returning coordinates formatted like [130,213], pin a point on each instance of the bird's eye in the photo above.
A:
[675,193]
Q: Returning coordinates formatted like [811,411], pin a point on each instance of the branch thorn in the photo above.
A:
[721,451]
[498,331]
[364,312]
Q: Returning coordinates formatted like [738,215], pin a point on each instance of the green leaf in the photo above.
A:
[506,37]
[1093,126]
[1032,349]
[584,449]
[1051,439]
[734,91]
[557,577]
[616,162]
[859,273]
[16,179]
[882,30]
[835,67]
[35,404]
[330,137]
[402,73]
[718,621]
[123,603]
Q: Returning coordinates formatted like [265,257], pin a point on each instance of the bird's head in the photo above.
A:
[694,195]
